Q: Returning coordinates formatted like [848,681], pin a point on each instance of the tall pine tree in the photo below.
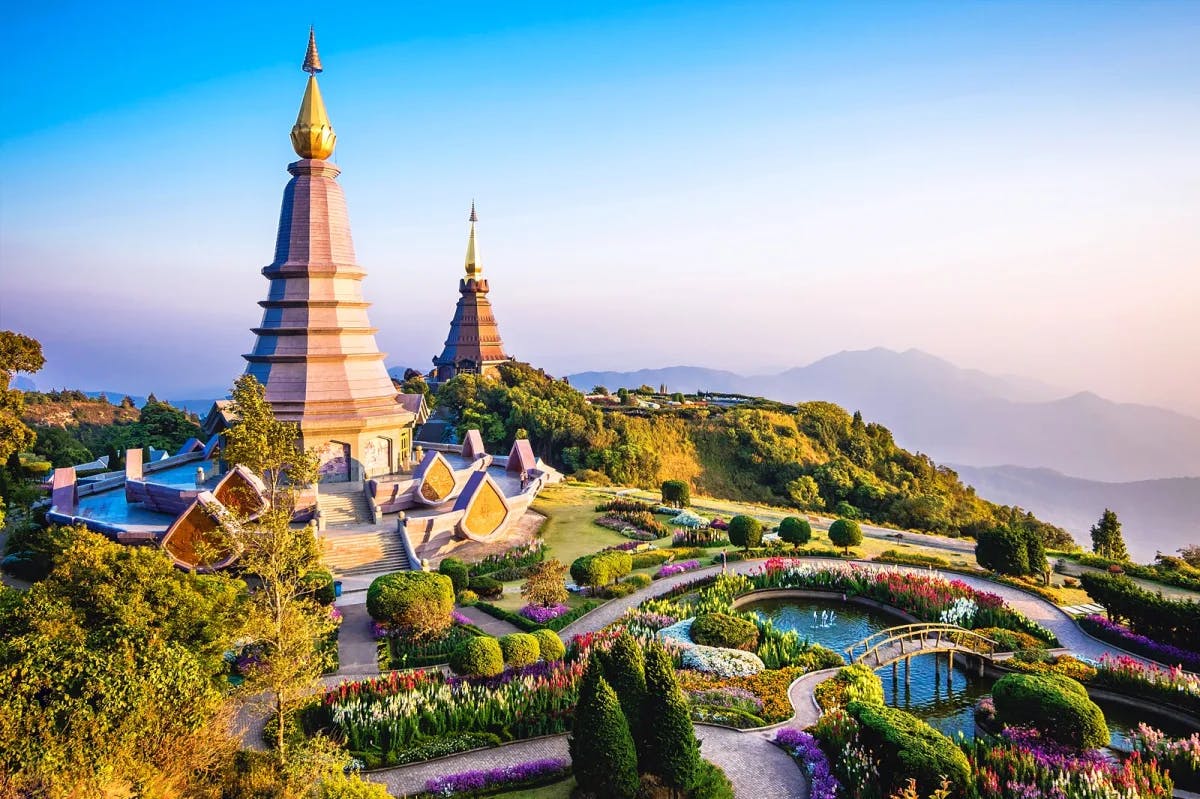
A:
[602,751]
[624,668]
[672,751]
[1107,541]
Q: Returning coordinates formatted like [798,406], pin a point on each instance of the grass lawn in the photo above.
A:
[557,790]
[570,530]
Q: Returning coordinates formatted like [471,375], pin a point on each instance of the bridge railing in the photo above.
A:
[944,636]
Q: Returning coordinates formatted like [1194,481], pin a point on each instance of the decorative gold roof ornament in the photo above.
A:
[473,267]
[312,135]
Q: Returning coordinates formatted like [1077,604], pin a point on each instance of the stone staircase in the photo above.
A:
[360,553]
[343,504]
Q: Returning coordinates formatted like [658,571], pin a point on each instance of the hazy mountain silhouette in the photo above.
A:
[1156,515]
[964,415]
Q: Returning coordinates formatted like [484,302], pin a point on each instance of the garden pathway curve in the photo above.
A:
[489,624]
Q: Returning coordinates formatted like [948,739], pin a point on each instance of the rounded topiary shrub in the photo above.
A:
[550,646]
[677,493]
[456,570]
[520,649]
[478,657]
[318,584]
[845,533]
[486,587]
[467,598]
[419,603]
[795,531]
[908,747]
[745,532]
[1057,706]
[721,629]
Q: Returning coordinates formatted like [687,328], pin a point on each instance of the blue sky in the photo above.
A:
[1013,186]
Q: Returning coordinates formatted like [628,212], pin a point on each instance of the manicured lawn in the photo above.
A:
[557,790]
[570,530]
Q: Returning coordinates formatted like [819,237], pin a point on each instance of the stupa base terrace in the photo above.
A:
[455,495]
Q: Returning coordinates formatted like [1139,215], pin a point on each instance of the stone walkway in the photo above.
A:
[489,624]
[358,653]
[406,780]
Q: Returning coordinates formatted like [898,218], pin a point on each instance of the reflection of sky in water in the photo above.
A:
[945,701]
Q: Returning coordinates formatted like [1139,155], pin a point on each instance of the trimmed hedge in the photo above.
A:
[550,646]
[676,492]
[478,657]
[601,568]
[420,602]
[723,630]
[645,560]
[519,649]
[795,531]
[1057,706]
[529,625]
[319,584]
[486,587]
[457,571]
[845,533]
[907,747]
[1167,621]
[745,532]
[401,652]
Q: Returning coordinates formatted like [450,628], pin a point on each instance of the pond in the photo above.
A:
[945,699]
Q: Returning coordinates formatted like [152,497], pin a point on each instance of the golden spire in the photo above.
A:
[312,135]
[473,267]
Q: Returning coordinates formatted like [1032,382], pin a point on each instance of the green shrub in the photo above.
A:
[644,560]
[854,683]
[457,571]
[1056,706]
[845,533]
[711,783]
[419,603]
[349,786]
[487,587]
[519,649]
[601,568]
[911,558]
[1004,550]
[795,531]
[638,580]
[550,646]
[478,657]
[907,747]
[677,493]
[721,629]
[618,590]
[318,584]
[467,598]
[745,532]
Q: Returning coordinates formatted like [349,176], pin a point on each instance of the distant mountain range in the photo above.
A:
[200,406]
[1156,515]
[965,416]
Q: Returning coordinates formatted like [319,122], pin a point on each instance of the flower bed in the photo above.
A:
[515,558]
[708,659]
[1180,755]
[478,781]
[1020,766]
[699,537]
[1122,636]
[671,569]
[808,755]
[770,687]
[927,597]
[623,527]
[401,652]
[1171,686]
[541,615]
[529,625]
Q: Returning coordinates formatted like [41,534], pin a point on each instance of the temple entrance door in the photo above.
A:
[377,457]
[334,462]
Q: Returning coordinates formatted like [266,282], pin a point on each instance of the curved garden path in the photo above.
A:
[757,768]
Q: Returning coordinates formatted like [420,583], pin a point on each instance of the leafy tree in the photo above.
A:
[112,677]
[18,353]
[282,619]
[1107,541]
[795,531]
[676,493]
[804,492]
[1191,555]
[672,751]
[546,584]
[600,391]
[602,750]
[163,426]
[845,533]
[745,531]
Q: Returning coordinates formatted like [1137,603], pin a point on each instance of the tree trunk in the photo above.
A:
[281,722]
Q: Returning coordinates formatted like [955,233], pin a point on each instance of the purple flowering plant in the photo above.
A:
[804,749]
[670,569]
[542,615]
[1127,639]
[481,779]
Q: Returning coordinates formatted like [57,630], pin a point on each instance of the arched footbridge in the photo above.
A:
[890,646]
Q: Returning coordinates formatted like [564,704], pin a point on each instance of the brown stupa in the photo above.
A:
[316,352]
[474,345]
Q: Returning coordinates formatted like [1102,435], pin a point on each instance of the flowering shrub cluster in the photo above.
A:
[542,615]
[699,537]
[1171,686]
[1180,755]
[770,687]
[710,659]
[481,779]
[514,558]
[1021,766]
[926,596]
[671,569]
[804,749]
[1041,663]
[1127,639]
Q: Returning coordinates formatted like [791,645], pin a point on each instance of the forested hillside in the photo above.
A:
[814,455]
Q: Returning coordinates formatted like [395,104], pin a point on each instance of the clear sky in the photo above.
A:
[1012,186]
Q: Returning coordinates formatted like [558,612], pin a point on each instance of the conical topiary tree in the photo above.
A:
[672,751]
[602,751]
[624,669]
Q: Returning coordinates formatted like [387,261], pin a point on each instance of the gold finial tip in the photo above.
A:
[473,217]
[312,61]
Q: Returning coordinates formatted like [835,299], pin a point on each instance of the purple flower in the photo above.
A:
[458,618]
[542,615]
[478,779]
[1124,637]
[803,747]
[669,569]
